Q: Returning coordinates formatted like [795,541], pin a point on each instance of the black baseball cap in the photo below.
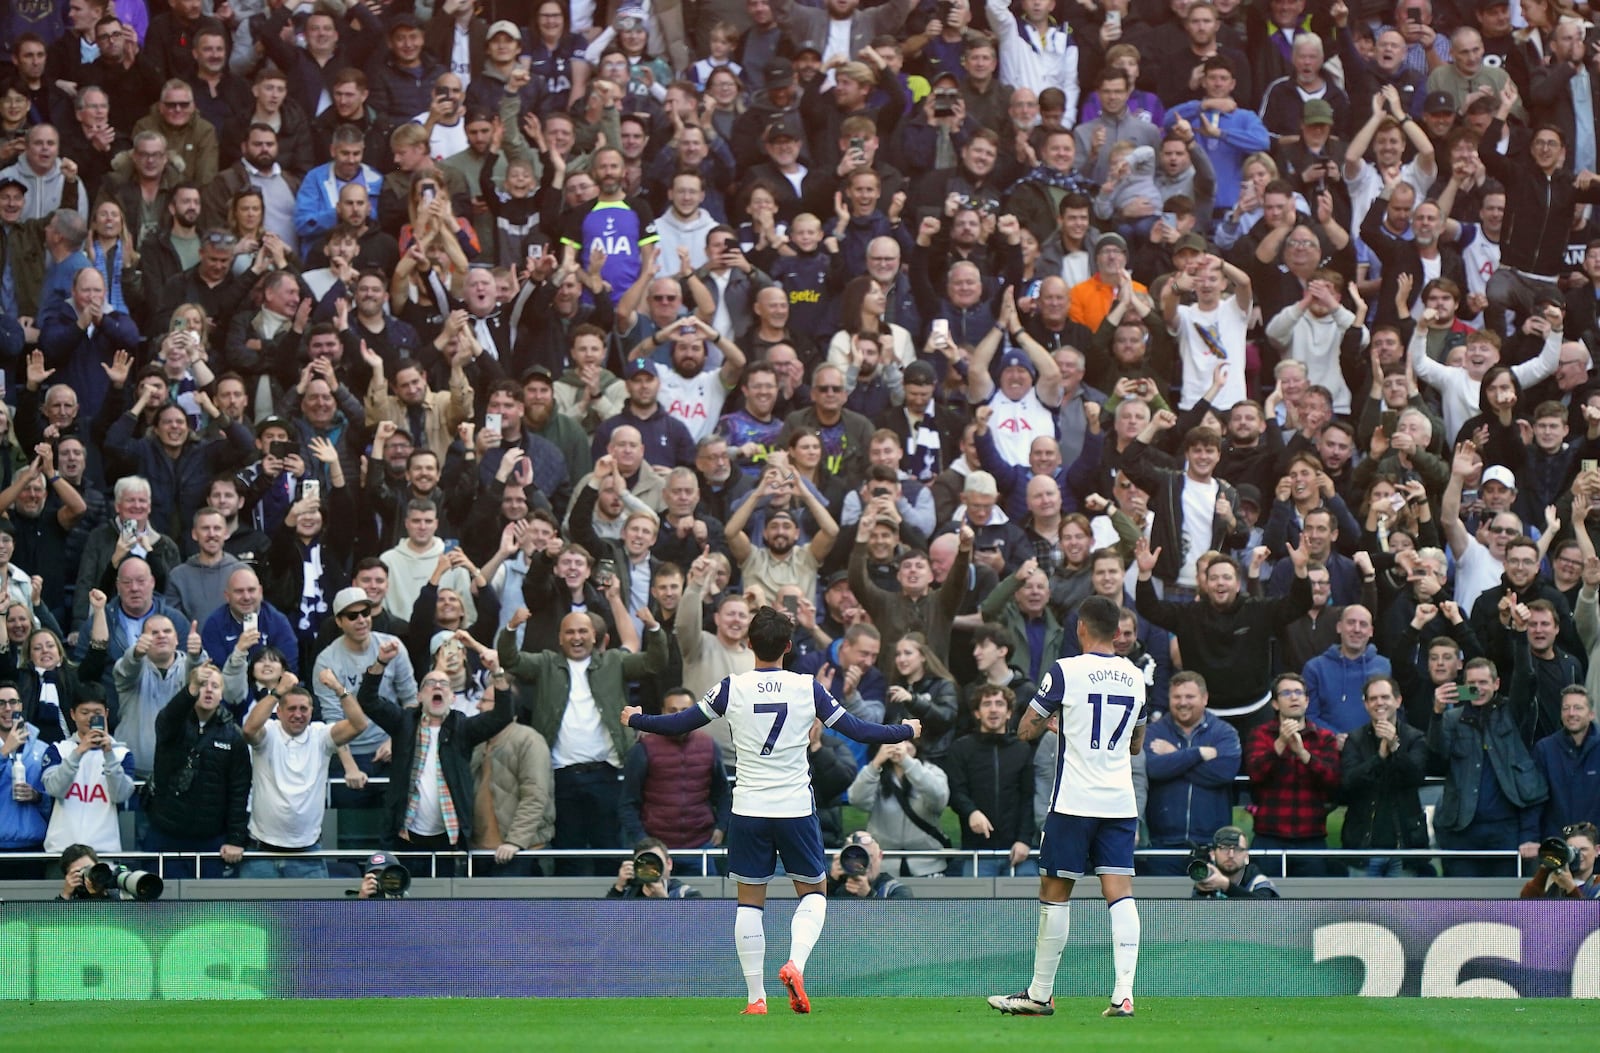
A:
[1439,102]
[778,73]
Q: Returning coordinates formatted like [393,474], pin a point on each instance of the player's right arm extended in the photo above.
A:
[679,723]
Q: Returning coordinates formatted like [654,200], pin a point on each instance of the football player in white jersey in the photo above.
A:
[774,812]
[1093,820]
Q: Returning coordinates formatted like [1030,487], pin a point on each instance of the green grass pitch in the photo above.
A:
[1324,1025]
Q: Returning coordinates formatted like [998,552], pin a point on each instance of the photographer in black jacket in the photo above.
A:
[857,871]
[648,875]
[1230,874]
[199,791]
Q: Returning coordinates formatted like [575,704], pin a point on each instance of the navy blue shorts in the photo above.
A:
[1074,843]
[755,845]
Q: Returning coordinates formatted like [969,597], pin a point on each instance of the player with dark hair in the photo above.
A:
[1099,696]
[774,811]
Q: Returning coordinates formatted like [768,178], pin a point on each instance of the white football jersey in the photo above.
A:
[1015,423]
[1101,699]
[769,712]
[696,400]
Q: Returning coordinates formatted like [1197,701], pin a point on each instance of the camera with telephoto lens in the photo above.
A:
[1555,854]
[854,860]
[394,880]
[1199,863]
[648,866]
[140,884]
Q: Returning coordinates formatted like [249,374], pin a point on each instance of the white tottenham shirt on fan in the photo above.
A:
[696,401]
[1015,423]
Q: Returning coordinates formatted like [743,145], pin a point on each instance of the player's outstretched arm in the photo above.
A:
[853,727]
[680,723]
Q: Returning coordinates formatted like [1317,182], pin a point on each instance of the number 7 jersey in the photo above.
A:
[1101,700]
[769,712]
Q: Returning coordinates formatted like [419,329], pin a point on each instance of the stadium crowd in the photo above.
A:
[400,390]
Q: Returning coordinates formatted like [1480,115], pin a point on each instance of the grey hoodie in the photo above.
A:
[45,191]
[196,589]
[1140,182]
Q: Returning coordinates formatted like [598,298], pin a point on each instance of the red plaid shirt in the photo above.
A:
[1290,798]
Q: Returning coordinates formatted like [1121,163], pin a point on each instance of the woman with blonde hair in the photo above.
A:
[110,249]
[1258,170]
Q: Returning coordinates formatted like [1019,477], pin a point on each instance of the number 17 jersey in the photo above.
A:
[1101,699]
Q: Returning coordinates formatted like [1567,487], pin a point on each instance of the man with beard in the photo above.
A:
[1230,874]
[616,225]
[164,221]
[1424,253]
[691,391]
[664,439]
[259,168]
[778,98]
[539,417]
[316,209]
[376,249]
[1388,131]
[348,95]
[430,797]
[780,560]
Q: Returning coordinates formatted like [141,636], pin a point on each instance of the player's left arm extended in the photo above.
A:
[853,727]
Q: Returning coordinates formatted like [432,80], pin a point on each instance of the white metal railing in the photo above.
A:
[707,855]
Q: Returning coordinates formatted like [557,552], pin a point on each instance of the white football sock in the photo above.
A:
[806,927]
[1054,921]
[751,940]
[1124,946]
